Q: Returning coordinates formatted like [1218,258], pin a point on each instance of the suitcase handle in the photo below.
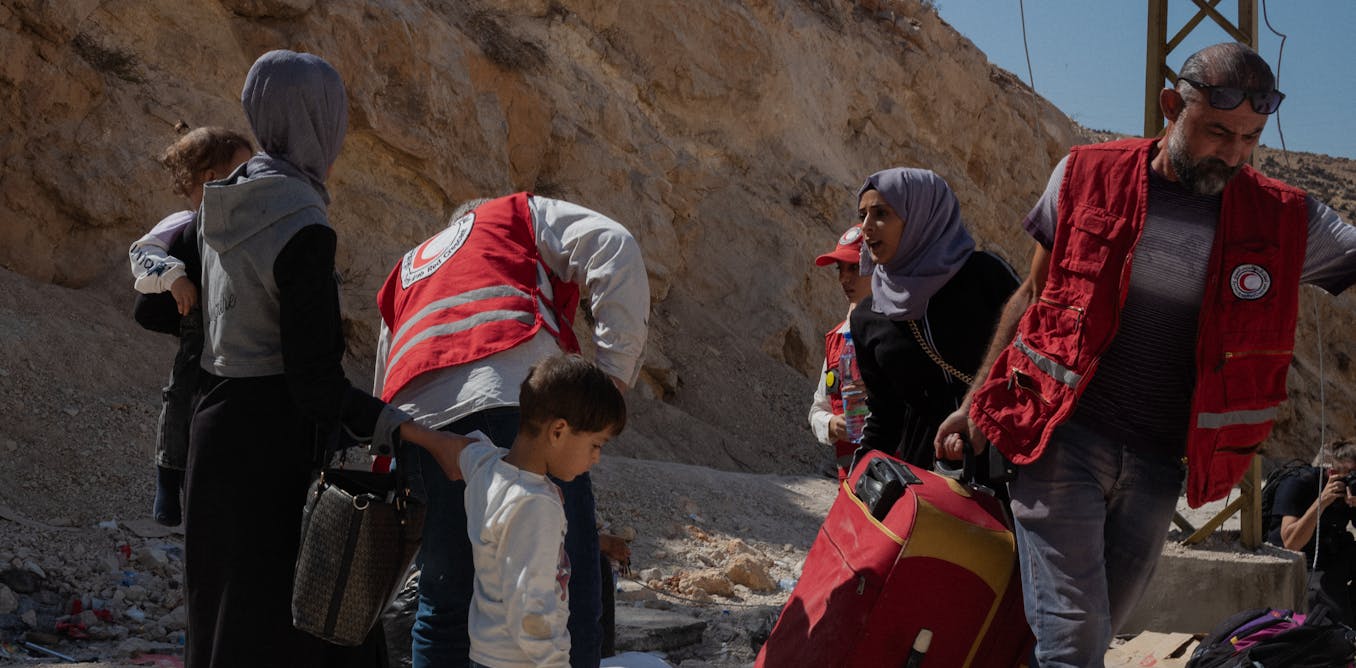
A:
[997,470]
[965,473]
[882,483]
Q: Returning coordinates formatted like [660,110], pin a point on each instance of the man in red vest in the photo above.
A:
[465,314]
[1155,327]
[826,411]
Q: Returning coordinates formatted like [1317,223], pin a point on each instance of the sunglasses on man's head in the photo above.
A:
[1228,97]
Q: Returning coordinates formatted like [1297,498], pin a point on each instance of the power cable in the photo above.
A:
[1322,430]
[1280,53]
[1323,454]
[1031,78]
[1322,399]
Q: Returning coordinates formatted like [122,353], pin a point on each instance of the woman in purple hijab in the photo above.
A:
[922,333]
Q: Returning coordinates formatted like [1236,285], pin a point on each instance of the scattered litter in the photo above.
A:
[108,524]
[48,652]
[77,630]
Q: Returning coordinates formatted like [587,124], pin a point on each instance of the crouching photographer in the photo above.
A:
[1315,505]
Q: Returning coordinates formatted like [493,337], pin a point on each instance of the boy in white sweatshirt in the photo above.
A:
[515,518]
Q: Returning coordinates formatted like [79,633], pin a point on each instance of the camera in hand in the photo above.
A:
[1350,480]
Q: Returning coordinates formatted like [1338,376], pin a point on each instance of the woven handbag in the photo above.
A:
[359,533]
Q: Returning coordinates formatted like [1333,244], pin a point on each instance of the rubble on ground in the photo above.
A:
[100,592]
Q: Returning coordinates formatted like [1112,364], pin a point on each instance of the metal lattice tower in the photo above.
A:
[1157,74]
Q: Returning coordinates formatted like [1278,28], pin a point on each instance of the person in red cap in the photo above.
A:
[826,412]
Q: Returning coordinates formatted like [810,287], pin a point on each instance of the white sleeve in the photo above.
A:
[535,598]
[587,248]
[820,410]
[477,454]
[153,268]
[383,349]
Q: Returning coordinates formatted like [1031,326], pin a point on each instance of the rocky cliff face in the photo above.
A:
[728,136]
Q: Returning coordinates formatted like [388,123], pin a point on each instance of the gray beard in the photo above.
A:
[1208,176]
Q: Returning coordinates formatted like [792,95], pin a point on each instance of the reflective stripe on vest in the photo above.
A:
[457,300]
[524,316]
[1051,368]
[497,271]
[1219,420]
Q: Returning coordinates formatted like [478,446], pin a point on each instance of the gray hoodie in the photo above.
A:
[298,109]
[245,222]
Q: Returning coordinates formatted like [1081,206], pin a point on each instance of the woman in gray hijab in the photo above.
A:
[921,334]
[273,398]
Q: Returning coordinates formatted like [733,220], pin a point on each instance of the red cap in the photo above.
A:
[848,248]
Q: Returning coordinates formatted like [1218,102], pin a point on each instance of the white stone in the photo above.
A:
[152,557]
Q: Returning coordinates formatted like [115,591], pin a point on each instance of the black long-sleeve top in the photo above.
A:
[909,395]
[312,337]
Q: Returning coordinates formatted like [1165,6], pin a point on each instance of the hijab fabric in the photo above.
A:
[932,248]
[297,107]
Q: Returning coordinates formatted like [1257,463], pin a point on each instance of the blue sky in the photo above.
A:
[1088,59]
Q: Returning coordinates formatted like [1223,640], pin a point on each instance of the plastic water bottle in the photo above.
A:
[852,390]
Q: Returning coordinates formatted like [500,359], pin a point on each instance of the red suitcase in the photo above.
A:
[942,559]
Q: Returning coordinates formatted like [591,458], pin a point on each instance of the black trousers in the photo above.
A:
[176,407]
[249,465]
[1335,579]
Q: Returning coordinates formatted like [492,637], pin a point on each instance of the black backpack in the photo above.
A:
[1273,638]
[1290,469]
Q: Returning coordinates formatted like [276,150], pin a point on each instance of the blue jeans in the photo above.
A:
[447,579]
[1092,515]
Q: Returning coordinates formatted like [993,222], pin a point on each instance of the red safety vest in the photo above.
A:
[833,351]
[1246,328]
[442,313]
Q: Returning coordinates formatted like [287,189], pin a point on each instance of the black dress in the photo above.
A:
[908,393]
[254,446]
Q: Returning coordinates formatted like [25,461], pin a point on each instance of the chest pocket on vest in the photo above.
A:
[1088,246]
[1254,377]
[1257,343]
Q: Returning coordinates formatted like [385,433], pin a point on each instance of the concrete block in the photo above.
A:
[1193,589]
[648,630]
